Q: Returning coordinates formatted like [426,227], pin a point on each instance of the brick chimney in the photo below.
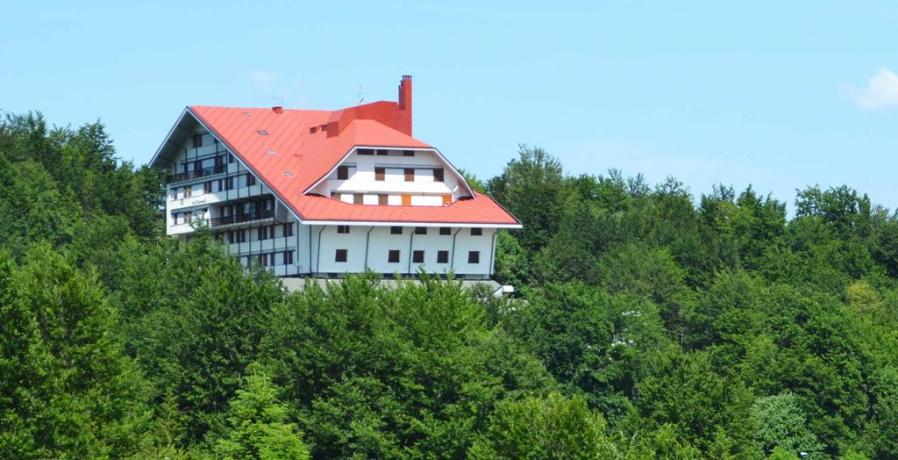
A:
[405,104]
[405,93]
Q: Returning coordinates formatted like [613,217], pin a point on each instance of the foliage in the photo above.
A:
[544,428]
[256,425]
[780,424]
[646,323]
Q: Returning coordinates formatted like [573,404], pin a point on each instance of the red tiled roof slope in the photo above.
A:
[280,147]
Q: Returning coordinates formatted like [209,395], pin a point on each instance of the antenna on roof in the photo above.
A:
[361,95]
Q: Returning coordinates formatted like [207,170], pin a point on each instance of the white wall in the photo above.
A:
[362,178]
[381,241]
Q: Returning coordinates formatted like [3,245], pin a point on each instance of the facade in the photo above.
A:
[324,193]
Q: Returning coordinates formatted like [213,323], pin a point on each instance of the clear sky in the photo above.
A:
[777,94]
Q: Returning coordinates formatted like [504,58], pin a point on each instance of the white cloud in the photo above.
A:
[881,91]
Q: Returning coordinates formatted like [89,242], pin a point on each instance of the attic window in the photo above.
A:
[381,152]
[324,127]
[366,152]
[262,132]
[247,114]
[313,130]
[272,152]
[287,173]
[408,153]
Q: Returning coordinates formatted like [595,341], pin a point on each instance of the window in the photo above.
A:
[262,233]
[342,172]
[473,257]
[406,200]
[383,199]
[288,257]
[357,198]
[438,175]
[340,255]
[395,230]
[207,187]
[420,230]
[188,217]
[241,236]
[188,191]
[445,231]
[198,167]
[174,193]
[408,153]
[229,183]
[409,175]
[379,174]
[418,256]
[197,141]
[476,231]
[288,230]
[366,152]
[230,158]
[381,152]
[250,179]
[442,257]
[174,218]
[393,256]
[232,237]
[342,229]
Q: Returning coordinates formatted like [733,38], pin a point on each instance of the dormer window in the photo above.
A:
[342,172]
[438,175]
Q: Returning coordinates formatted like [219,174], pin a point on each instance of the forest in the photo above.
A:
[646,323]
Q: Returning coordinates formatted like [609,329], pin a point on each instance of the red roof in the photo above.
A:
[282,149]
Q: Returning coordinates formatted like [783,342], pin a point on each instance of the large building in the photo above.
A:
[323,193]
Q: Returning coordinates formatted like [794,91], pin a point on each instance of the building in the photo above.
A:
[323,193]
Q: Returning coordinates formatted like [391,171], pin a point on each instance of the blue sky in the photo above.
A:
[776,94]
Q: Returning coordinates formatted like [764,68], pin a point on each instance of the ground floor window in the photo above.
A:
[340,255]
[418,257]
[473,257]
[393,256]
[442,257]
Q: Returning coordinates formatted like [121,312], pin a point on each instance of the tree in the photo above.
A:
[67,388]
[532,188]
[685,391]
[196,319]
[780,423]
[257,425]
[377,372]
[553,427]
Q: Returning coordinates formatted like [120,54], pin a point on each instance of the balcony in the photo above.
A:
[196,173]
[240,218]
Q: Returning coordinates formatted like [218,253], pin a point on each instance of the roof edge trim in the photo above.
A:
[169,135]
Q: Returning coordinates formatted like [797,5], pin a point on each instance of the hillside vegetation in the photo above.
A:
[647,323]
